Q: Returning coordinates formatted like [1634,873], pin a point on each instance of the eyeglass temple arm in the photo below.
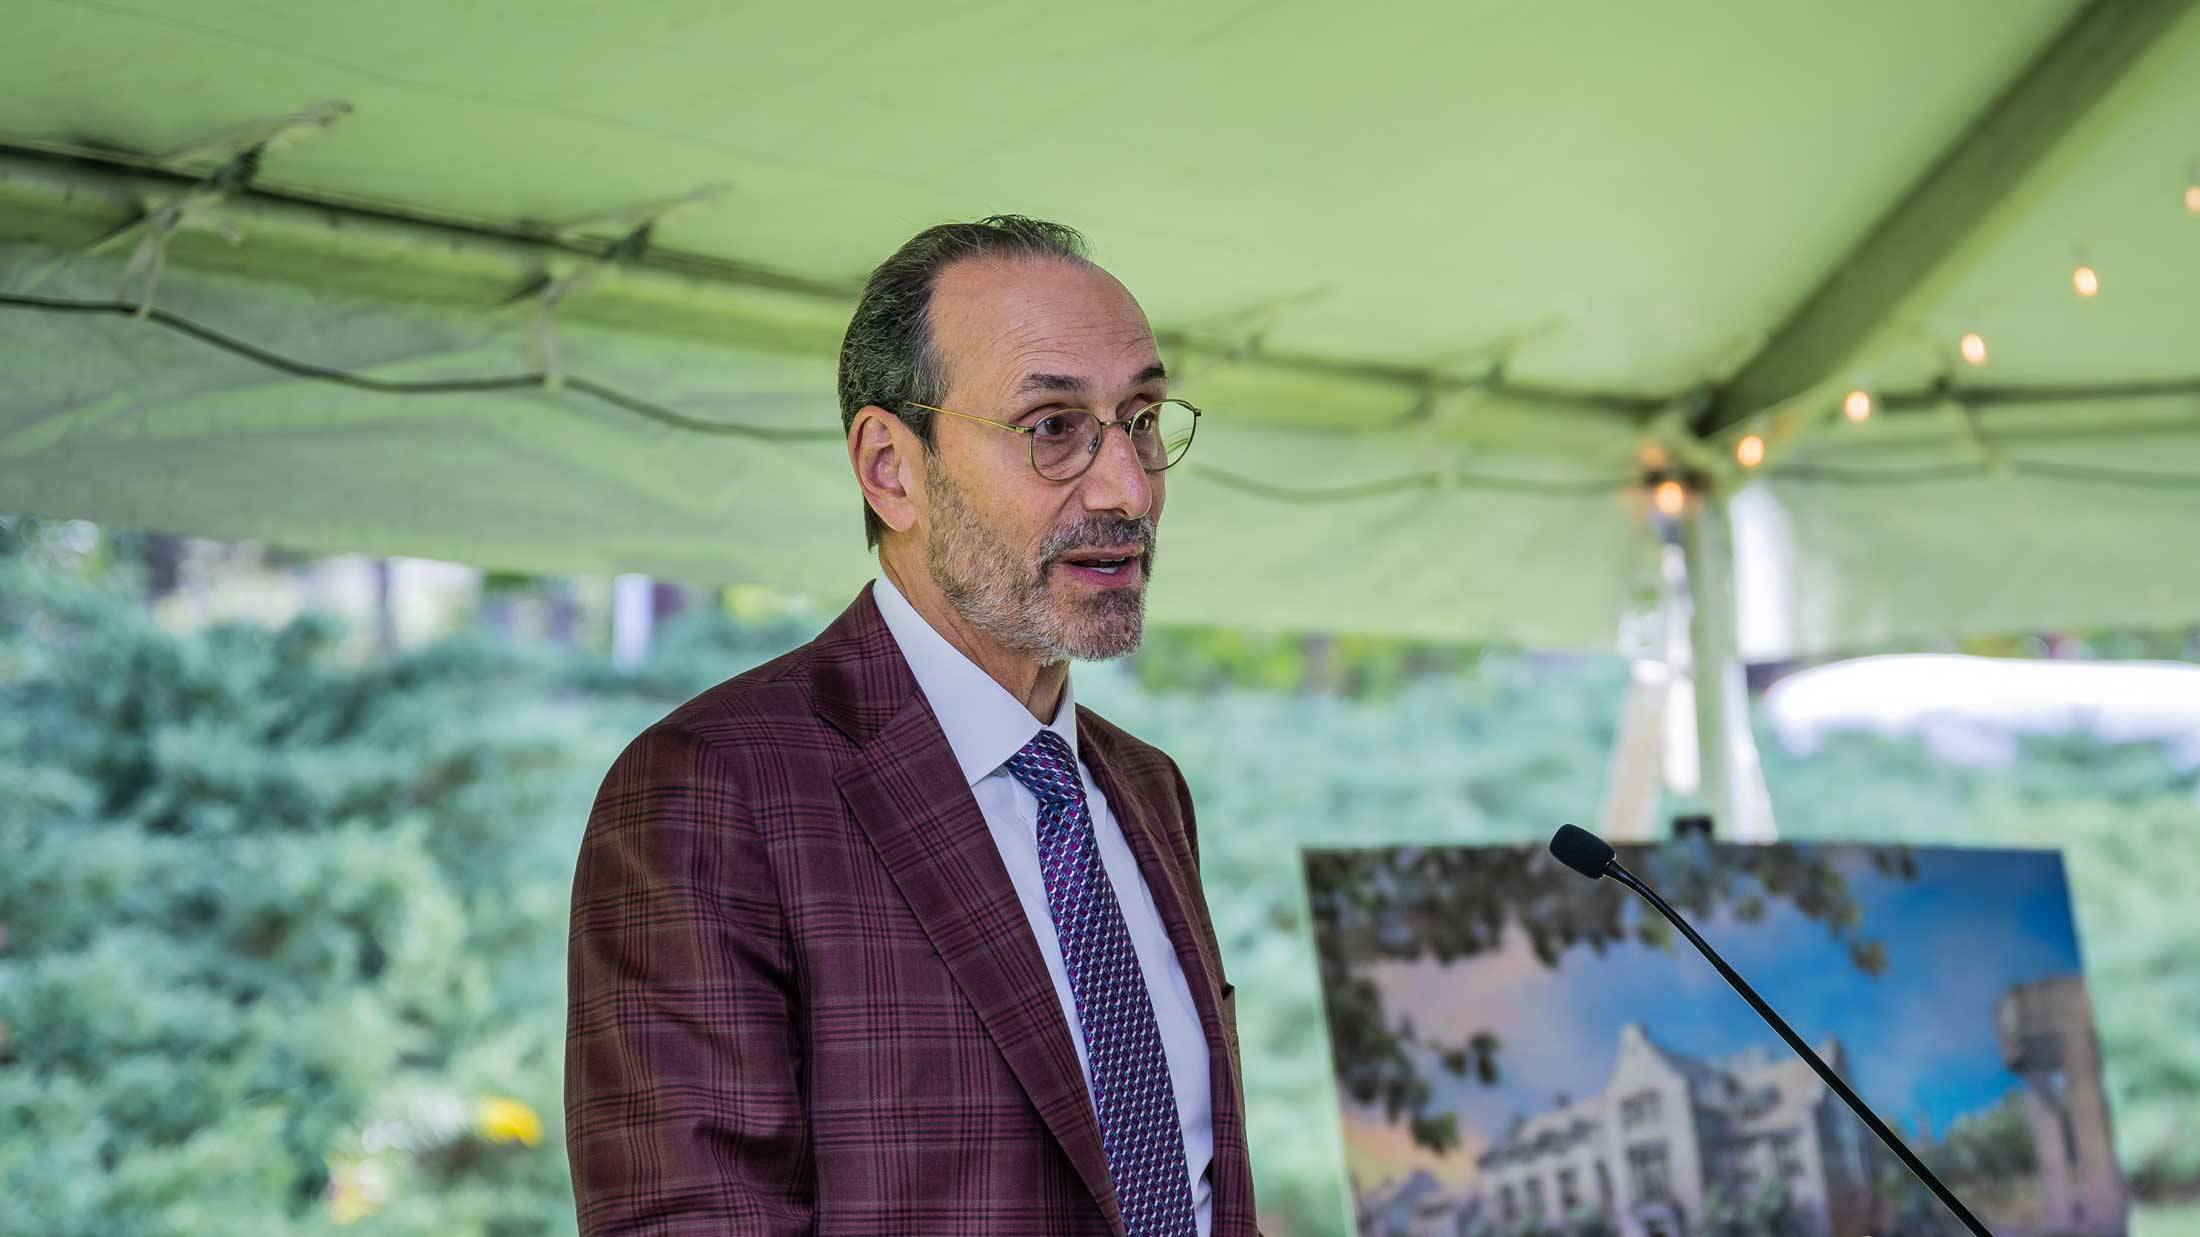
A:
[1017,429]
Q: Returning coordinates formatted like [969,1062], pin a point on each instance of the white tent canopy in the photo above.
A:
[1458,284]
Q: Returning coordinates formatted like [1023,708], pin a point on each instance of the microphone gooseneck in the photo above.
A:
[1593,857]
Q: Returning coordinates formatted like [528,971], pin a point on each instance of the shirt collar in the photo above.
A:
[985,725]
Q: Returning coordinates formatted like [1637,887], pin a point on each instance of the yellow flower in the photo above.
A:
[356,1189]
[347,1205]
[503,1119]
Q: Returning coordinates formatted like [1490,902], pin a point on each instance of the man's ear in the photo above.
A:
[883,451]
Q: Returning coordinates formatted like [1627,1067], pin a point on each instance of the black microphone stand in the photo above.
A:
[1618,871]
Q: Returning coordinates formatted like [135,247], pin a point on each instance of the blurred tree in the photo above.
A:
[1207,659]
[276,935]
[504,594]
[250,894]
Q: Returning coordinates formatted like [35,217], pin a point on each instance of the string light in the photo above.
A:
[1670,497]
[1750,451]
[2087,281]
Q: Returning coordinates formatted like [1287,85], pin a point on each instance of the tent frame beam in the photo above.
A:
[103,189]
[84,193]
[1966,201]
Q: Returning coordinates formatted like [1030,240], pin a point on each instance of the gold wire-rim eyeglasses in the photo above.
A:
[1170,456]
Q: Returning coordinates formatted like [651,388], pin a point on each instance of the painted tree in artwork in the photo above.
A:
[1407,903]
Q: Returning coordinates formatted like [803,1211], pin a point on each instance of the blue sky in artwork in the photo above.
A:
[1920,1039]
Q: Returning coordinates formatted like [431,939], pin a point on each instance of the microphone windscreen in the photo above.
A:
[1581,850]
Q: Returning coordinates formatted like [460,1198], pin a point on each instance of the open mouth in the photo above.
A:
[1109,566]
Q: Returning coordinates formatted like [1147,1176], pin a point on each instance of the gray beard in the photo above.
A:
[981,577]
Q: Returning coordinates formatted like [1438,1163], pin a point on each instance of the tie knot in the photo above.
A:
[1047,769]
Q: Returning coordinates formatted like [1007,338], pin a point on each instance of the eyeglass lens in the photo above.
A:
[1064,443]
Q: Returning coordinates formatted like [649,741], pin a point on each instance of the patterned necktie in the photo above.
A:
[1139,1127]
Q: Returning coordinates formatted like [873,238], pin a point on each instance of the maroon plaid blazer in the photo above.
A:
[803,996]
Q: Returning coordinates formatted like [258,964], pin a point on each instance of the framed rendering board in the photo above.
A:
[1522,1050]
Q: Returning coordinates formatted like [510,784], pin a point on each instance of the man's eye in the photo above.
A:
[1053,426]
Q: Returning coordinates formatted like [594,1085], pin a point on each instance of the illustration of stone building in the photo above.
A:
[1647,1153]
[2047,1039]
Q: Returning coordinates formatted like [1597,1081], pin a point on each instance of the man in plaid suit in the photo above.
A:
[889,936]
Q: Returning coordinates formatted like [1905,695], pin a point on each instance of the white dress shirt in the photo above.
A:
[985,726]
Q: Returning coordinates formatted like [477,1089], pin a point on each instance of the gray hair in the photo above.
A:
[887,357]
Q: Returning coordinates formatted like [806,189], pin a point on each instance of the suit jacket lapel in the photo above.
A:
[1172,875]
[908,795]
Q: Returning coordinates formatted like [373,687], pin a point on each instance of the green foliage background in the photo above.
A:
[272,914]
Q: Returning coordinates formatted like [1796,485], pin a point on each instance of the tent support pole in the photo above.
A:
[1732,781]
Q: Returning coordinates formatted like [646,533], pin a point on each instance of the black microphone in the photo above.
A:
[1593,857]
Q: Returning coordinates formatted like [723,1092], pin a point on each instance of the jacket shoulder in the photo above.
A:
[766,705]
[1121,743]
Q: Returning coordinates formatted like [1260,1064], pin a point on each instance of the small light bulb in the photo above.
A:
[1858,405]
[2087,281]
[1750,451]
[1671,498]
[2192,198]
[1973,346]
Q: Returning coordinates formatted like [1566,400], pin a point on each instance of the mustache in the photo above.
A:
[1099,530]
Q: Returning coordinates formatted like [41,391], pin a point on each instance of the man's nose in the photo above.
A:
[1117,481]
